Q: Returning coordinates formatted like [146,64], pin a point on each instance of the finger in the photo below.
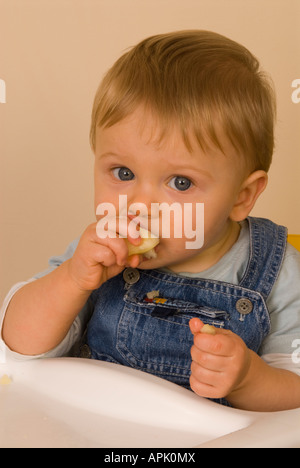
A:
[208,361]
[207,376]
[104,255]
[203,389]
[118,228]
[195,325]
[128,229]
[202,358]
[220,344]
[115,244]
[134,260]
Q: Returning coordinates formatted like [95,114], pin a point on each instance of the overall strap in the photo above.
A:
[267,248]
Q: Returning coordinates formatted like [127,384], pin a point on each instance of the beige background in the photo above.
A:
[53,54]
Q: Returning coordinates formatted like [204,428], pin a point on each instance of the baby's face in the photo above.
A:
[130,162]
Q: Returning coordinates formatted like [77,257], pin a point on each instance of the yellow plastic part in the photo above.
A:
[294,239]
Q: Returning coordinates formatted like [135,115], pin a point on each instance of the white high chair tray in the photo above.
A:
[68,402]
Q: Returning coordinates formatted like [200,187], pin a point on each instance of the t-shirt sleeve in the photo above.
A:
[75,332]
[284,307]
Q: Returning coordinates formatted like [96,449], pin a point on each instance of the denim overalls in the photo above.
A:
[131,327]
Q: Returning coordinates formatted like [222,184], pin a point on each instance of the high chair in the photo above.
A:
[67,402]
[294,239]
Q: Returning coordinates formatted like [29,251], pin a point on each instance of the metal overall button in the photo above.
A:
[244,307]
[85,352]
[131,275]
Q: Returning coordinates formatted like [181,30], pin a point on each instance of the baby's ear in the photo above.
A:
[250,190]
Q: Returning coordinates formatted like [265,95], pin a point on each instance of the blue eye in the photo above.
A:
[180,183]
[123,173]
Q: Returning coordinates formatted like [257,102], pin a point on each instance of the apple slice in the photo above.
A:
[146,247]
[208,329]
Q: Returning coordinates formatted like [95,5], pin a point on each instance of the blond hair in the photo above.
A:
[200,80]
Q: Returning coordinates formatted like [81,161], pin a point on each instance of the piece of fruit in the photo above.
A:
[208,329]
[146,248]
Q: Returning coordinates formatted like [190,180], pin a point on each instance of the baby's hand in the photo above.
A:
[97,260]
[220,362]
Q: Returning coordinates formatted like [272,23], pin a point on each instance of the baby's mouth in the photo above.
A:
[146,247]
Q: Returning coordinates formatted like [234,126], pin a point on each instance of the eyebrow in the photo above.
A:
[110,154]
[196,169]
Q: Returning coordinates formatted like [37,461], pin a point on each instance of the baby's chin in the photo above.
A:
[150,264]
[174,259]
[153,263]
[183,263]
[161,261]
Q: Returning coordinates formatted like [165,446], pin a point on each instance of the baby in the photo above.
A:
[183,119]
